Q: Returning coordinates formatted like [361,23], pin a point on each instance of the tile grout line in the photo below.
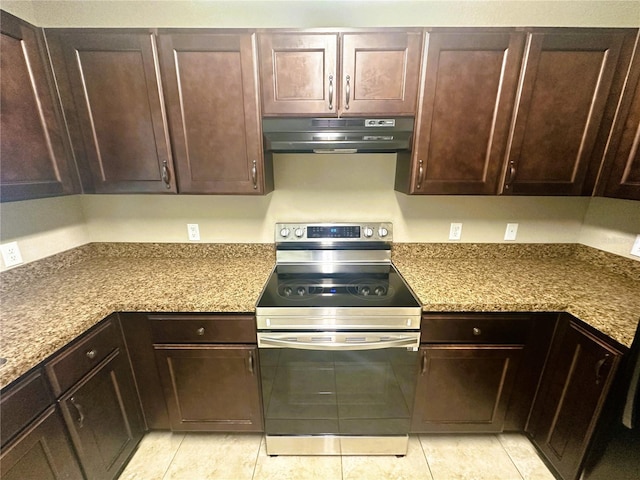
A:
[173,457]
[510,458]
[425,457]
[255,465]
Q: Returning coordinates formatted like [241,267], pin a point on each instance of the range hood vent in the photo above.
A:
[337,135]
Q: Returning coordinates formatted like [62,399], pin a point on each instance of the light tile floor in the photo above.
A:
[215,456]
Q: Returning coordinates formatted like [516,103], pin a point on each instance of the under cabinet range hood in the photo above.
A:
[337,135]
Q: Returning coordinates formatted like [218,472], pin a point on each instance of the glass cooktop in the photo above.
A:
[380,286]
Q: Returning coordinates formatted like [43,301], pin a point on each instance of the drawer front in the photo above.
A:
[77,360]
[475,329]
[203,329]
[21,403]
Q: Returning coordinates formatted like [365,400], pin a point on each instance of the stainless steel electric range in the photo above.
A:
[338,336]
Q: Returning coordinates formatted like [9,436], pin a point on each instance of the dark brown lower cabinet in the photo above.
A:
[103,415]
[479,371]
[41,452]
[211,387]
[464,388]
[572,392]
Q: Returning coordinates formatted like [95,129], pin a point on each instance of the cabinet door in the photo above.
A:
[467,100]
[212,99]
[621,169]
[565,82]
[103,416]
[464,388]
[211,388]
[380,73]
[299,73]
[110,90]
[571,394]
[34,145]
[42,452]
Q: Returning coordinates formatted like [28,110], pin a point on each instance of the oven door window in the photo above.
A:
[354,392]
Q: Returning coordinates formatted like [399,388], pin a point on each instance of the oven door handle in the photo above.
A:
[326,343]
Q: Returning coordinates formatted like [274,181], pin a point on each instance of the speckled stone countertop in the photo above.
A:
[601,289]
[46,304]
[44,307]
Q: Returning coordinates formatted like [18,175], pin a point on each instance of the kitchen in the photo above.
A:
[312,187]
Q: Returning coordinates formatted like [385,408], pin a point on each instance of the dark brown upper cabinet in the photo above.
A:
[340,74]
[620,174]
[211,90]
[567,75]
[34,145]
[468,88]
[110,90]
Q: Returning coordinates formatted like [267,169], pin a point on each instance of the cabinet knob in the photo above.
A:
[477,331]
[91,354]
[200,331]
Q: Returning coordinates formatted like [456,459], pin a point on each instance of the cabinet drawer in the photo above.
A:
[475,329]
[77,360]
[203,329]
[23,402]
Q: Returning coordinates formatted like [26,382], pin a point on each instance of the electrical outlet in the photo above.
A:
[635,250]
[511,231]
[194,232]
[11,254]
[455,232]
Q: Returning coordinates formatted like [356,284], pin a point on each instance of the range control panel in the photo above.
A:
[343,232]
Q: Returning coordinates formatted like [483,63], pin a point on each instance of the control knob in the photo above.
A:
[365,291]
[383,232]
[287,291]
[285,232]
[379,291]
[368,232]
[299,232]
[301,291]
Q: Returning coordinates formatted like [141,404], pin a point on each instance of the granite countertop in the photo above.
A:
[47,304]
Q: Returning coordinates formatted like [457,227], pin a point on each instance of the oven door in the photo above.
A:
[358,384]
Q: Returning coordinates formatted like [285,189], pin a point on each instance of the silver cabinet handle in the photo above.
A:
[330,92]
[423,370]
[348,92]
[254,174]
[477,331]
[512,175]
[79,410]
[200,331]
[601,363]
[251,363]
[166,177]
[91,354]
[420,174]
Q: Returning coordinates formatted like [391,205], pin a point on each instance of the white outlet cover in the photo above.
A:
[11,254]
[635,250]
[511,231]
[193,231]
[455,232]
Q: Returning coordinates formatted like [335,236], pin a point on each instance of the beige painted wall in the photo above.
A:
[326,13]
[322,188]
[43,227]
[332,188]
